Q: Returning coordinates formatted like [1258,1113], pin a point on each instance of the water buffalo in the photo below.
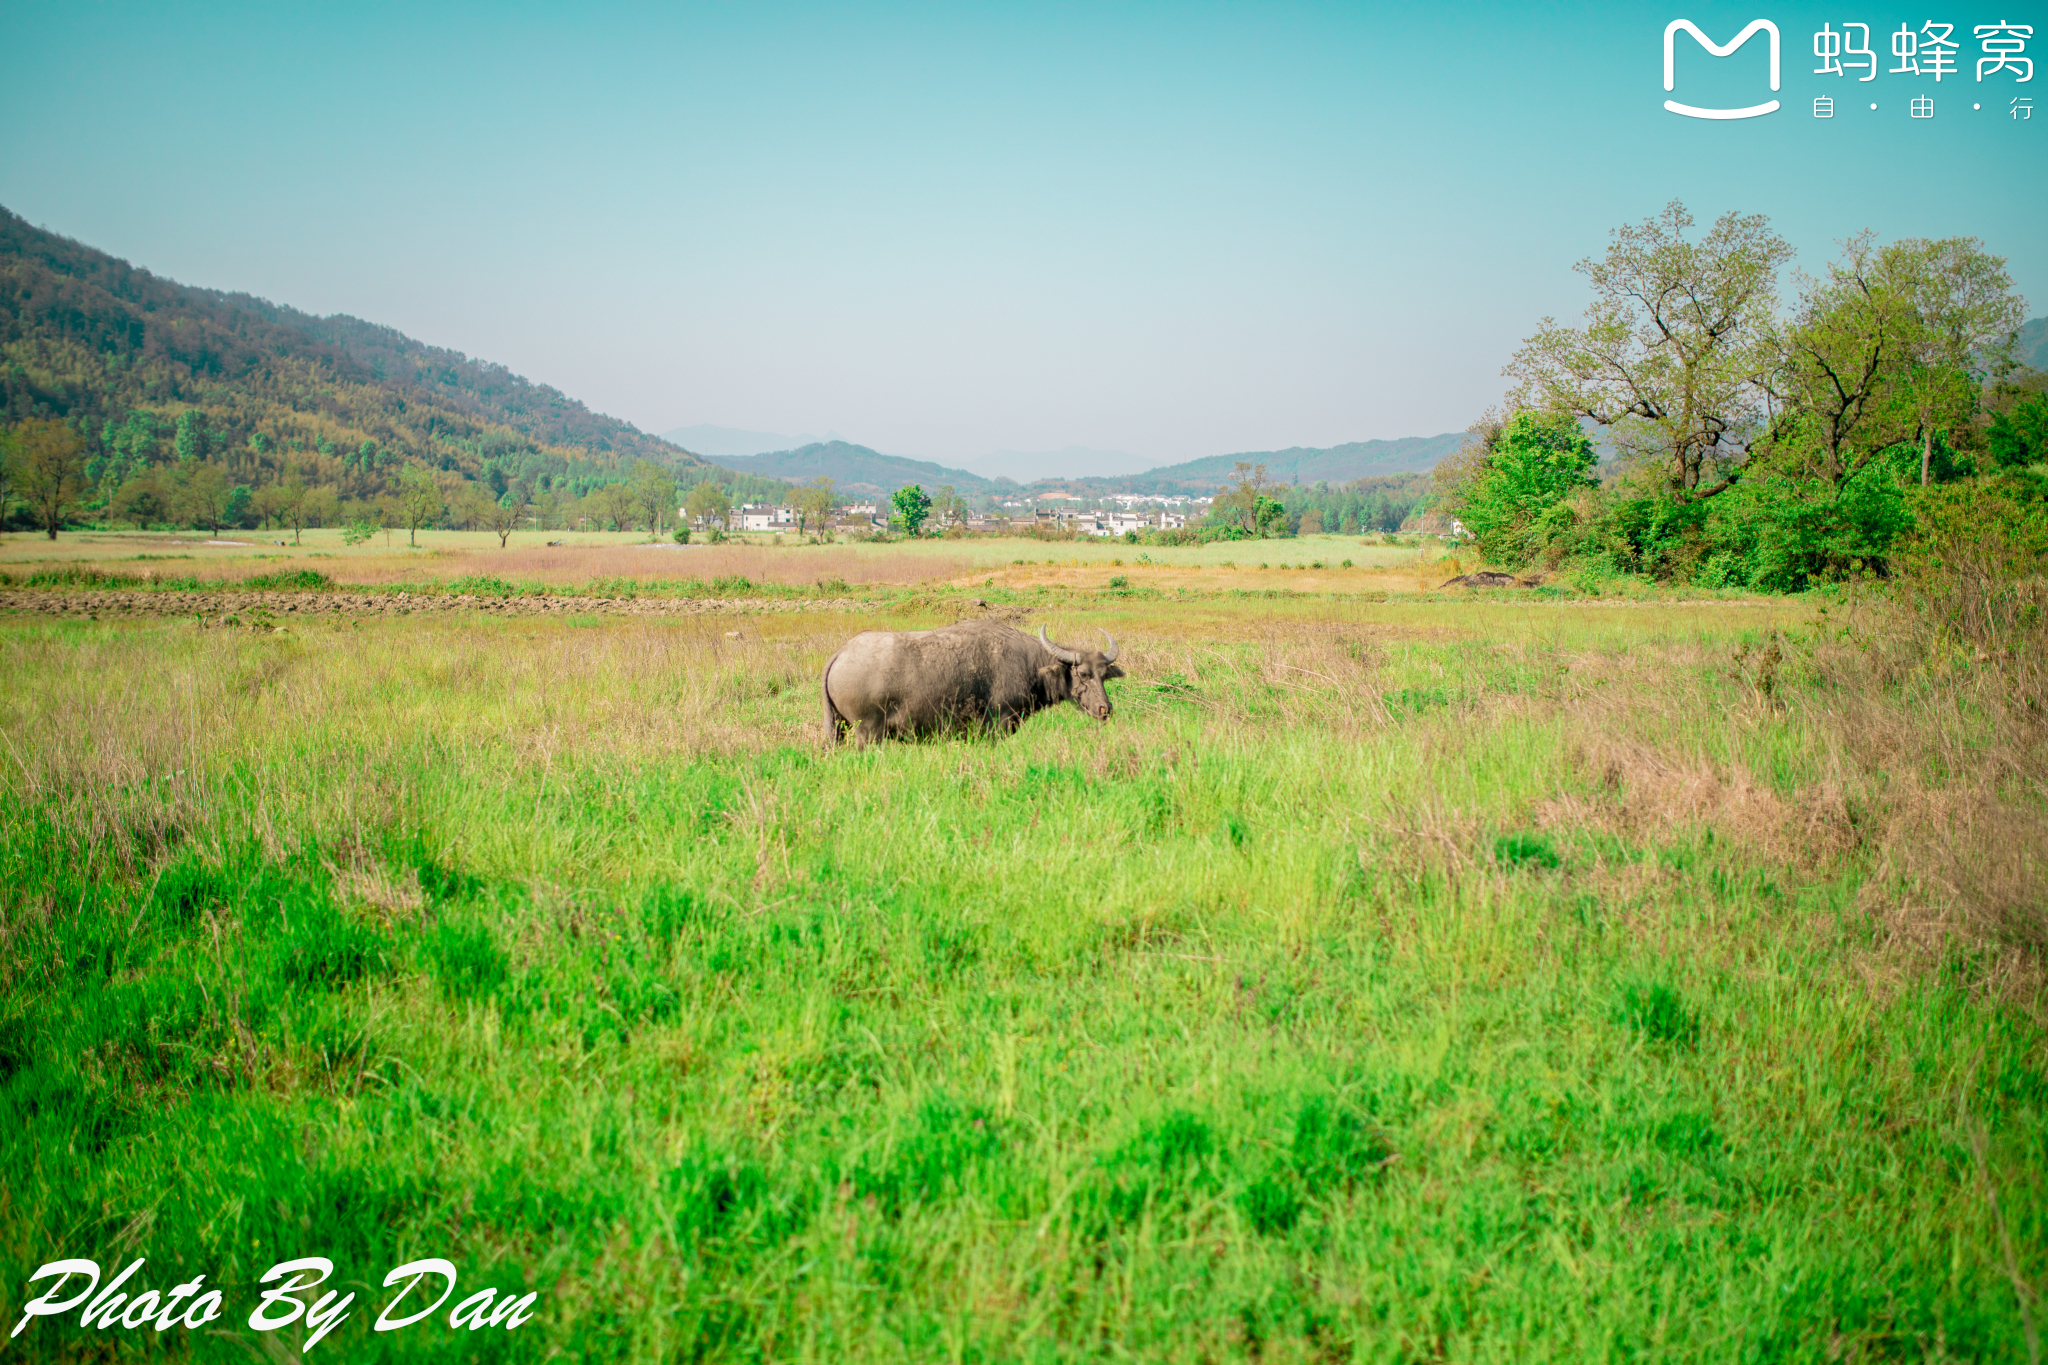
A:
[907,683]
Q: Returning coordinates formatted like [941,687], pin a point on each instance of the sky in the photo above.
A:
[943,231]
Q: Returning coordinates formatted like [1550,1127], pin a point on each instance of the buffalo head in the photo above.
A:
[1085,671]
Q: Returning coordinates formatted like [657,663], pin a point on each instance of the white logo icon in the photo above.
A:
[1690,111]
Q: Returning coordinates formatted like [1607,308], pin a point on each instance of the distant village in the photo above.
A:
[1056,512]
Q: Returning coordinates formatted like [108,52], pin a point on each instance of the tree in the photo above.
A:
[1248,503]
[654,493]
[322,507]
[1676,346]
[708,503]
[201,495]
[503,515]
[285,502]
[611,504]
[813,503]
[190,441]
[912,507]
[7,489]
[48,468]
[420,502]
[144,500]
[948,507]
[1516,496]
[1964,315]
[1836,377]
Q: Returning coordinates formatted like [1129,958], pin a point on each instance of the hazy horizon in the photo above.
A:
[1022,466]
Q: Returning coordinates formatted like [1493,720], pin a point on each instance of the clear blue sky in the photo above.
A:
[1175,230]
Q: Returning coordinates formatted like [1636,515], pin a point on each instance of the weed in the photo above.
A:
[1524,850]
[290,580]
[1658,1013]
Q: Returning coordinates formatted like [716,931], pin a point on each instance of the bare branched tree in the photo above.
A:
[1675,346]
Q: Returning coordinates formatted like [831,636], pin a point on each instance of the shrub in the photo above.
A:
[1524,850]
[482,585]
[1516,502]
[1659,1014]
[292,580]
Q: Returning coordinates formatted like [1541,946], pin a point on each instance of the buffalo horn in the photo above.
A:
[1065,656]
[1108,655]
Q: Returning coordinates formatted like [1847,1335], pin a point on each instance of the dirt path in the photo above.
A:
[283,606]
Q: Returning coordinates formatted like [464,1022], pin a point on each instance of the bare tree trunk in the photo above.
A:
[1926,453]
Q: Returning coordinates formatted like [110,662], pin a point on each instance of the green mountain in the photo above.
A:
[2033,347]
[152,372]
[858,470]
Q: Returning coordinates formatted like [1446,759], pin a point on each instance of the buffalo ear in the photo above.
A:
[1111,672]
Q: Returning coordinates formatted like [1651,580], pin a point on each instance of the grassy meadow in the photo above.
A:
[1496,979]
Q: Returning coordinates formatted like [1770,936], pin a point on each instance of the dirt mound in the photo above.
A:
[1489,579]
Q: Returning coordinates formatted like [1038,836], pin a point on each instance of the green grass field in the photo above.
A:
[1405,981]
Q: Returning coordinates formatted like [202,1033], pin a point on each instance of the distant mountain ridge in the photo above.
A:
[857,469]
[1325,464]
[2033,347]
[716,442]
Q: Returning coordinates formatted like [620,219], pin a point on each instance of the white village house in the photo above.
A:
[761,517]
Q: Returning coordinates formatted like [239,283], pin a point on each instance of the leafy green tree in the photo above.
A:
[1836,378]
[190,440]
[708,504]
[420,501]
[1516,498]
[1675,349]
[7,489]
[948,507]
[47,463]
[291,504]
[1964,316]
[144,500]
[202,495]
[813,503]
[322,507]
[503,515]
[1247,505]
[654,494]
[611,504]
[912,506]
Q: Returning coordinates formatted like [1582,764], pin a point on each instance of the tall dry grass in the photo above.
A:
[574,565]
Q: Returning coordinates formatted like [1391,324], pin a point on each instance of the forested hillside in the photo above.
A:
[1359,505]
[159,379]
